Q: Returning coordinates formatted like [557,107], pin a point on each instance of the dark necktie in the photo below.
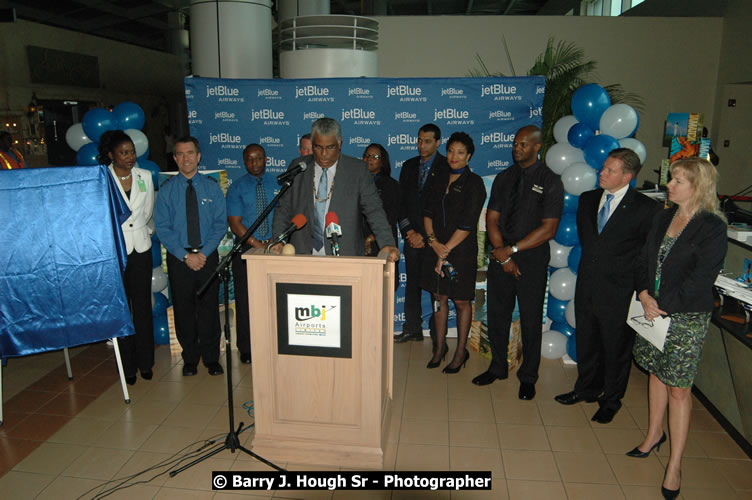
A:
[422,175]
[320,210]
[603,213]
[261,205]
[191,216]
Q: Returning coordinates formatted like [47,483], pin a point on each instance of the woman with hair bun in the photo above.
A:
[116,150]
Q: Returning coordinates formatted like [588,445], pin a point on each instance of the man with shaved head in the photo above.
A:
[523,214]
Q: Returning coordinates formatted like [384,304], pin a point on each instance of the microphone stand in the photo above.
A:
[232,442]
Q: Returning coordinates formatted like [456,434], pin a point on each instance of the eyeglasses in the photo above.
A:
[330,148]
[375,156]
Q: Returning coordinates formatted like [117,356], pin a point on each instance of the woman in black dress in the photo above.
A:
[451,221]
[377,159]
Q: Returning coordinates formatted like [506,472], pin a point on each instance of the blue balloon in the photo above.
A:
[88,154]
[160,304]
[129,115]
[572,346]
[588,104]
[562,327]
[161,329]
[556,309]
[97,121]
[570,203]
[579,134]
[567,233]
[151,167]
[573,260]
[598,148]
[156,252]
[144,156]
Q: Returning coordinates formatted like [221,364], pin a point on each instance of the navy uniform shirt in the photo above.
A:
[169,214]
[540,195]
[241,201]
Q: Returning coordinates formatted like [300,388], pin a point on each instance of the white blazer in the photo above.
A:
[138,228]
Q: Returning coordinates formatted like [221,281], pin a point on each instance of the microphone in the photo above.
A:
[333,231]
[297,222]
[291,173]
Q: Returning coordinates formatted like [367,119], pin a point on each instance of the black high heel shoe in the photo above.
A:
[667,493]
[434,364]
[449,370]
[636,453]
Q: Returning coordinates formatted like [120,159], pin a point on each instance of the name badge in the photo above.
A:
[141,186]
[538,189]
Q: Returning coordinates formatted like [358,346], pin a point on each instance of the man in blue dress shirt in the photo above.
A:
[191,220]
[246,199]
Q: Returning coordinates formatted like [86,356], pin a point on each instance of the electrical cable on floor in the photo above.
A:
[173,462]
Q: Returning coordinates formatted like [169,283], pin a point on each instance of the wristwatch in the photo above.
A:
[515,249]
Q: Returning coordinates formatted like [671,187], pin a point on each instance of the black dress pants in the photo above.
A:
[604,353]
[529,291]
[137,351]
[242,315]
[413,292]
[196,318]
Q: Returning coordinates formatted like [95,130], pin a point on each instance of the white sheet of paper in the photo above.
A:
[653,331]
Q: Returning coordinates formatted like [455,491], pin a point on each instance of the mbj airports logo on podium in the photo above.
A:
[314,320]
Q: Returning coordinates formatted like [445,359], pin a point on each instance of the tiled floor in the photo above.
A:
[68,439]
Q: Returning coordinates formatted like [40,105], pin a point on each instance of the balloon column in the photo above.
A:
[584,141]
[127,116]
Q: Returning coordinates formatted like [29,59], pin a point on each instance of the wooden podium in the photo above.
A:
[321,337]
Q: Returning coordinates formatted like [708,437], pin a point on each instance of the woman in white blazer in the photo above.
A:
[117,151]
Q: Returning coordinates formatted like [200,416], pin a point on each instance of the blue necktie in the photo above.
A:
[260,206]
[603,213]
[422,175]
[321,195]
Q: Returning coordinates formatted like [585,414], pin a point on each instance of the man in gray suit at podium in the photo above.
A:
[333,182]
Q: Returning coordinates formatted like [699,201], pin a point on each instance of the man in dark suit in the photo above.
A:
[333,182]
[612,223]
[417,177]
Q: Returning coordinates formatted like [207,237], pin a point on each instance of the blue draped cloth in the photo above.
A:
[62,255]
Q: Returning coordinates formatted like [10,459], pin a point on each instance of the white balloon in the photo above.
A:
[559,254]
[619,121]
[562,126]
[553,344]
[561,284]
[139,140]
[561,155]
[578,178]
[158,280]
[569,313]
[636,146]
[76,137]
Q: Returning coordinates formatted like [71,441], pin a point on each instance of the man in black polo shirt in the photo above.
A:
[523,214]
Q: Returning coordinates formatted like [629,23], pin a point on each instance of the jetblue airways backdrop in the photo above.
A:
[226,115]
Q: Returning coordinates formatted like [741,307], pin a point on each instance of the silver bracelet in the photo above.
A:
[508,259]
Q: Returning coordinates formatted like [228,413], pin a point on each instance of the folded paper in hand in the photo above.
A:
[654,331]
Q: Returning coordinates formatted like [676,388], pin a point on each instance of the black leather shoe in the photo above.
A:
[147,375]
[636,453]
[571,398]
[486,378]
[604,415]
[189,369]
[215,368]
[408,336]
[130,380]
[245,358]
[527,391]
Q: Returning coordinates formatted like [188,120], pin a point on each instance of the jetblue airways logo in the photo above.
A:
[268,93]
[501,92]
[271,141]
[453,93]
[360,140]
[360,93]
[314,93]
[360,116]
[498,139]
[405,93]
[269,116]
[312,115]
[224,138]
[224,93]
[536,111]
[500,115]
[453,116]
